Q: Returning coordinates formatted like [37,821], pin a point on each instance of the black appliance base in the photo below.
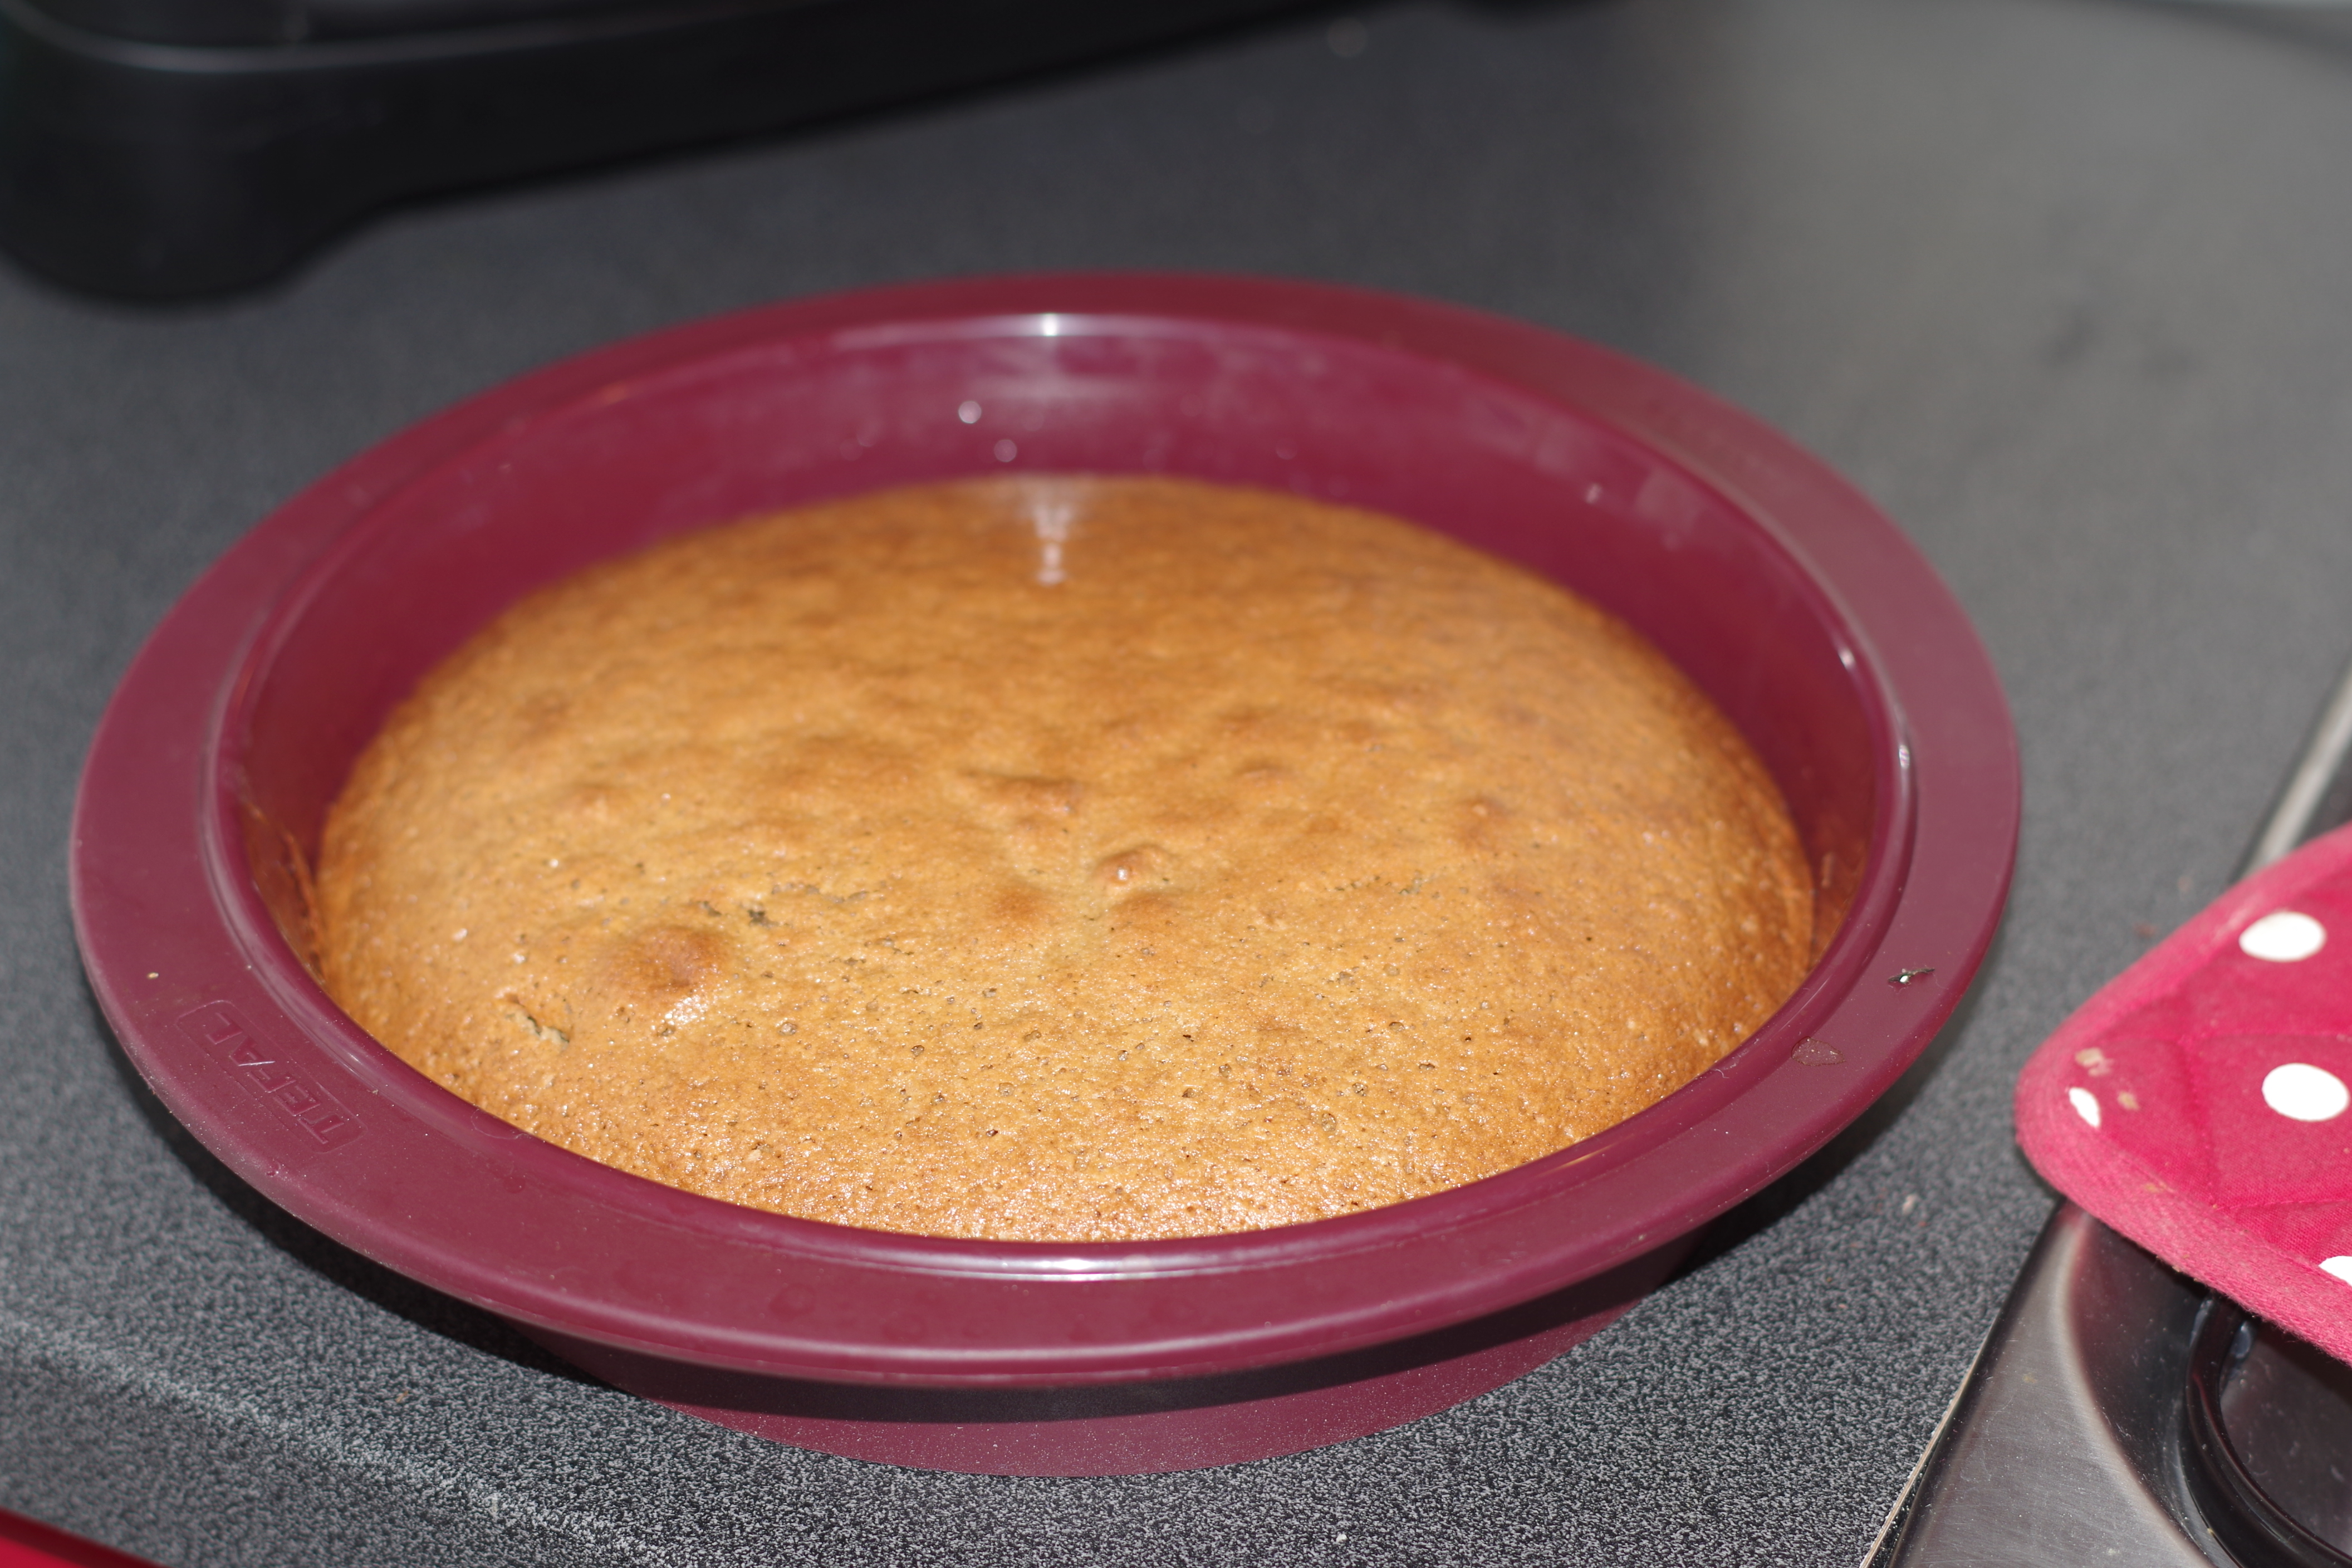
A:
[163,170]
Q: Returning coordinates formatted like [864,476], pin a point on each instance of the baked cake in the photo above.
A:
[1061,859]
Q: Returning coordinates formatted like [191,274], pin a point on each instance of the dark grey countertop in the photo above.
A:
[2063,283]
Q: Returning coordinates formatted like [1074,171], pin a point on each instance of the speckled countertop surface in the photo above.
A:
[2061,282]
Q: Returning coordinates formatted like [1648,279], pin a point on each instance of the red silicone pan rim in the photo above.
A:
[159,893]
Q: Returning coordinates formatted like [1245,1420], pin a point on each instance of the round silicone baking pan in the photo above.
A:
[1808,616]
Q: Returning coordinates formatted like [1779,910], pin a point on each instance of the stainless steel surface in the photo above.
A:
[2286,1409]
[2311,803]
[2064,1444]
[2253,1522]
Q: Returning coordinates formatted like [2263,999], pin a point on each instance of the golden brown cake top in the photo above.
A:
[1061,859]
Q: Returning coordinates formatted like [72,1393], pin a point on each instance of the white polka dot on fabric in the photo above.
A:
[2085,1103]
[2304,1093]
[2283,936]
[2339,1267]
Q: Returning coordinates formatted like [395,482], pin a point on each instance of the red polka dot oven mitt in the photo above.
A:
[2199,1103]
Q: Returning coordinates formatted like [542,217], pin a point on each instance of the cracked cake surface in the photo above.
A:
[1061,859]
